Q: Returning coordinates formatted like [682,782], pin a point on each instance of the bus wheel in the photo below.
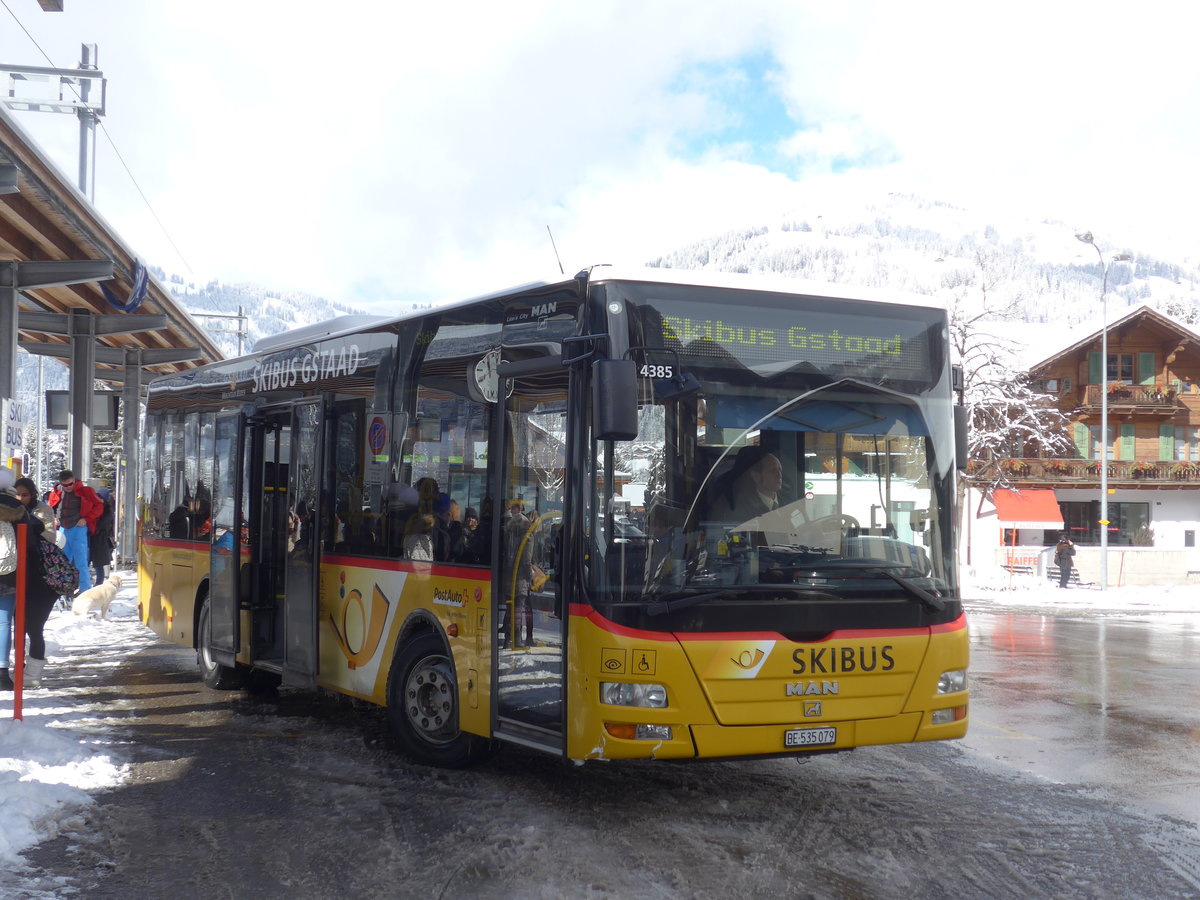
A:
[423,706]
[222,678]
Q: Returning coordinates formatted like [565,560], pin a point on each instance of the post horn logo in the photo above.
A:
[358,633]
[747,659]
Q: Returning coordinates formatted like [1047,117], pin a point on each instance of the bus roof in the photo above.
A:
[599,274]
[769,282]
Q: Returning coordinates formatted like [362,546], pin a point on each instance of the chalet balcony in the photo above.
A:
[1086,472]
[1133,398]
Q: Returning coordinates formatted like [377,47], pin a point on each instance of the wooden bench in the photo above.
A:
[1019,570]
[1052,574]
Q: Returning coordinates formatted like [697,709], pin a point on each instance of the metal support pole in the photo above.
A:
[8,329]
[83,374]
[130,420]
[39,454]
[8,345]
[1087,238]
[1103,429]
[87,127]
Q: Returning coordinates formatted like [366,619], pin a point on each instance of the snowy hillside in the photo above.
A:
[894,241]
[911,245]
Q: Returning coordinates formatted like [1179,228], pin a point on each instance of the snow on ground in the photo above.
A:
[999,588]
[48,769]
[53,760]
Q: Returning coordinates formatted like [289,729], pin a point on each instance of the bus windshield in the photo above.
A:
[790,450]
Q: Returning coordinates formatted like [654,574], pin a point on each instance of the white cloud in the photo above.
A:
[416,150]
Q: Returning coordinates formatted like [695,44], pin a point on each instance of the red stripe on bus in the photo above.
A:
[845,634]
[175,542]
[400,565]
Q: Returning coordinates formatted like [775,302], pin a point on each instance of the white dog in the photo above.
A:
[98,598]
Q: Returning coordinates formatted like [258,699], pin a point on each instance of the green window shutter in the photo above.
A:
[1095,373]
[1125,448]
[1083,441]
[1166,441]
[1145,368]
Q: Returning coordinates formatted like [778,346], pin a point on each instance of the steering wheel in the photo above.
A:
[846,525]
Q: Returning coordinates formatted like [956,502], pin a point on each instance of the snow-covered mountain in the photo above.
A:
[908,244]
[899,242]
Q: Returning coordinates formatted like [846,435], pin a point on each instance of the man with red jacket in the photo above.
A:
[78,510]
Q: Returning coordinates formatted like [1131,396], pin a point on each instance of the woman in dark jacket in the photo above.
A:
[39,597]
[101,541]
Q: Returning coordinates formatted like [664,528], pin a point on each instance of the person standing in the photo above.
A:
[27,493]
[39,597]
[1064,551]
[516,528]
[12,513]
[78,510]
[101,541]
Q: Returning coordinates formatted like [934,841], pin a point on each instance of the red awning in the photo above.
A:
[1027,509]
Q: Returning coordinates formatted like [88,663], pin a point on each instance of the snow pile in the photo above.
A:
[47,767]
[45,775]
[997,587]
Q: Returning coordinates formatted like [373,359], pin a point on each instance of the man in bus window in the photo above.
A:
[751,488]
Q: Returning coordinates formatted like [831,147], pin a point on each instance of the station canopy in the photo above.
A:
[45,219]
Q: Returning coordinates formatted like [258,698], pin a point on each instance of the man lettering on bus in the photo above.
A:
[78,508]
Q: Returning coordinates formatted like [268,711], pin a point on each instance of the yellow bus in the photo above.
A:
[625,515]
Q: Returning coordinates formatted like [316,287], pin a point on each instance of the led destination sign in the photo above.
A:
[795,338]
[838,342]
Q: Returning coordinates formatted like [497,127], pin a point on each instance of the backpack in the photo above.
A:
[60,576]
[8,548]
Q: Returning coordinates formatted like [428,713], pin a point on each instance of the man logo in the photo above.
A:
[812,708]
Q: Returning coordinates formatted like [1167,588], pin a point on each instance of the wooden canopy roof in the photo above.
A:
[47,219]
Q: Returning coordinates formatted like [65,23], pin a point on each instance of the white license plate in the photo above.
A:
[809,737]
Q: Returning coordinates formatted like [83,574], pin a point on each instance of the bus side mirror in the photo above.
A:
[960,436]
[614,400]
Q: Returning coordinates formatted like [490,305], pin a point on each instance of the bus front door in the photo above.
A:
[284,499]
[267,505]
[301,595]
[230,540]
[529,661]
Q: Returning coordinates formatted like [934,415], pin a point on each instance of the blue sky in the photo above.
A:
[380,152]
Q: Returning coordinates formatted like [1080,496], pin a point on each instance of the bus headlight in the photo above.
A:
[619,693]
[952,682]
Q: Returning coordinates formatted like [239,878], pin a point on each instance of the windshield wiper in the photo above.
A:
[932,601]
[927,599]
[678,600]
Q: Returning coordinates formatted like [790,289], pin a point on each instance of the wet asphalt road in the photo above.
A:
[1074,782]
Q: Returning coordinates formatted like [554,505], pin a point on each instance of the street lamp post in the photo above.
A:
[1086,237]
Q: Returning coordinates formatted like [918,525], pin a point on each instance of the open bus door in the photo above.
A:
[229,540]
[301,594]
[283,451]
[529,663]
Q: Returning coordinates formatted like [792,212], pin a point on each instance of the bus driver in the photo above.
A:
[751,488]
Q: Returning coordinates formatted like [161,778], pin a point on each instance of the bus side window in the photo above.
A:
[449,441]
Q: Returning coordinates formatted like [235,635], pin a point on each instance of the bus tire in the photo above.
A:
[422,706]
[215,675]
